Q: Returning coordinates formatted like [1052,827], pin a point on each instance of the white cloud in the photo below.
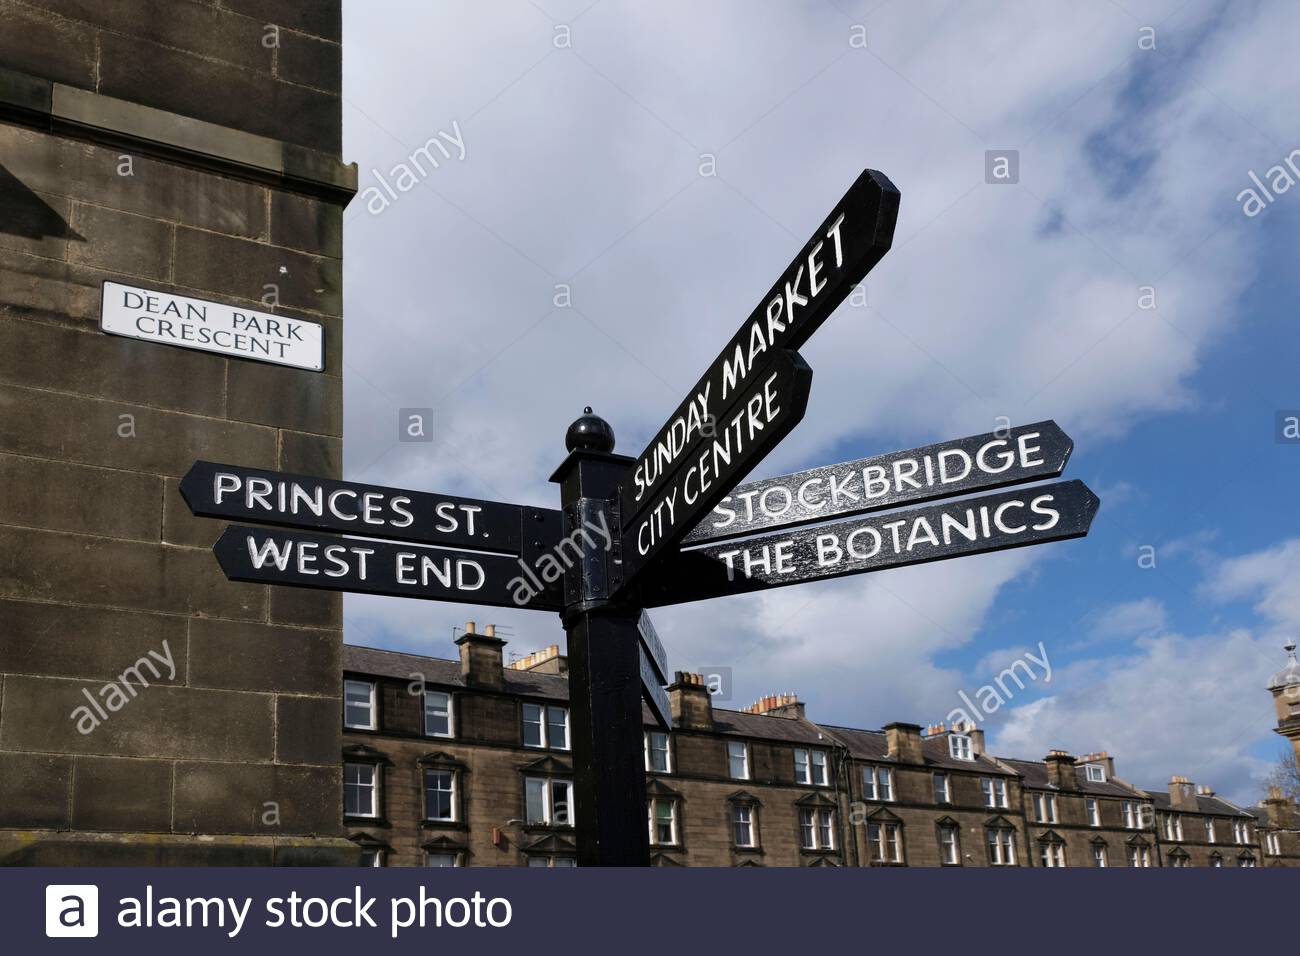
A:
[581,168]
[1128,619]
[1269,579]
[1177,705]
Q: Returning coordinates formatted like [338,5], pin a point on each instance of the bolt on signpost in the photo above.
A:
[669,526]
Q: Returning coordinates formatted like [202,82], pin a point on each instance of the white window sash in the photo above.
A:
[369,686]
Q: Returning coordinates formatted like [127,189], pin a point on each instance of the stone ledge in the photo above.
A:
[99,118]
[63,848]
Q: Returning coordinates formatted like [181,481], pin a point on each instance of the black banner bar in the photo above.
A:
[347,507]
[1010,519]
[363,566]
[942,470]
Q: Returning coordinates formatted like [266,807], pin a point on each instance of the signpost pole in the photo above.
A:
[604,657]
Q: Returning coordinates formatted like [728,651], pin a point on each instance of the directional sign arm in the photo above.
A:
[1009,519]
[844,248]
[261,496]
[942,470]
[364,566]
[755,422]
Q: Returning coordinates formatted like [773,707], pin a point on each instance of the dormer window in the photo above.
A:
[1095,773]
[959,747]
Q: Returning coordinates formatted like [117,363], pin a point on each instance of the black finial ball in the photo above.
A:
[590,433]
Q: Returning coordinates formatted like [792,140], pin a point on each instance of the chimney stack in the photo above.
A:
[691,703]
[1282,811]
[777,705]
[480,657]
[547,661]
[1182,794]
[1060,770]
[904,742]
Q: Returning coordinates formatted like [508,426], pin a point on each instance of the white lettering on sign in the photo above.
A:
[179,320]
[768,331]
[759,410]
[898,537]
[841,491]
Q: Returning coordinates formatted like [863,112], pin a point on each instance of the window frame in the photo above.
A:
[937,776]
[960,747]
[451,715]
[813,760]
[881,779]
[744,757]
[879,842]
[453,794]
[373,788]
[1092,811]
[372,705]
[817,822]
[955,830]
[1045,808]
[548,801]
[544,726]
[667,751]
[674,828]
[441,854]
[751,823]
[1095,773]
[996,793]
[1000,842]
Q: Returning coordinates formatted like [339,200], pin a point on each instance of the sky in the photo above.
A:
[619,185]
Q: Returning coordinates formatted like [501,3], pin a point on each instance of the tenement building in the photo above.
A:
[467,763]
[170,263]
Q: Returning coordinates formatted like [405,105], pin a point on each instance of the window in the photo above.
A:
[949,847]
[1273,844]
[359,786]
[441,859]
[548,802]
[1173,827]
[738,759]
[552,861]
[1216,861]
[663,821]
[1095,773]
[1130,815]
[1044,807]
[1246,860]
[1002,846]
[1179,861]
[1094,813]
[1100,857]
[742,824]
[810,767]
[546,726]
[358,705]
[1139,854]
[959,747]
[440,795]
[1209,829]
[657,757]
[817,829]
[1051,853]
[1240,831]
[995,792]
[886,842]
[942,789]
[373,857]
[877,783]
[437,714]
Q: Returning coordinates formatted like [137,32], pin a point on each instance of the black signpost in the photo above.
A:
[615,546]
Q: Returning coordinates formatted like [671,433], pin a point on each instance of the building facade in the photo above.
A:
[151,712]
[466,763]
